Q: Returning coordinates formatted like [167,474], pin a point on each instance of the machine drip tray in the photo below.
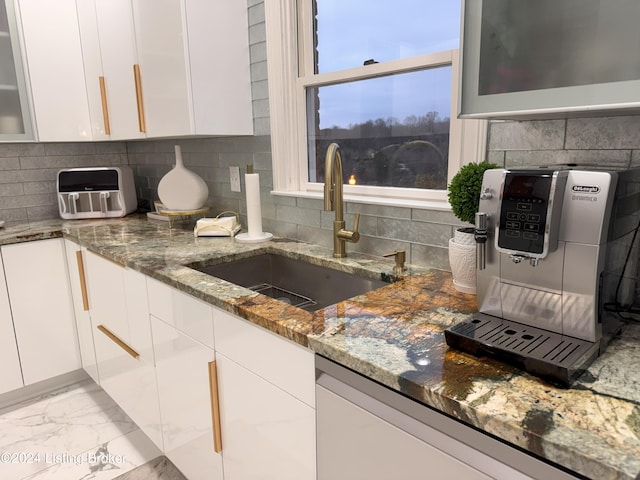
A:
[554,357]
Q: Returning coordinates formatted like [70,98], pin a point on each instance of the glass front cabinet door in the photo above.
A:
[550,58]
[15,120]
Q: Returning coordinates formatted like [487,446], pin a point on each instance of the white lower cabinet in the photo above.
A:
[10,373]
[42,310]
[77,281]
[122,335]
[266,433]
[263,409]
[182,328]
[182,369]
[267,402]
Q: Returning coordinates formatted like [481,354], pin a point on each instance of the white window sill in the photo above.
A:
[437,205]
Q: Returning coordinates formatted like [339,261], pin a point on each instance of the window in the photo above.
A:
[378,78]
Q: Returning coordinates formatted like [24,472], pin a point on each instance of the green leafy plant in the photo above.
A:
[464,190]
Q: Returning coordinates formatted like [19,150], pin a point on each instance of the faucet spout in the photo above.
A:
[334,200]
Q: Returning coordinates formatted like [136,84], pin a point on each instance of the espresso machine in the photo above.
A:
[553,265]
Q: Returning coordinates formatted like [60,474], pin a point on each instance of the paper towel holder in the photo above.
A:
[254,211]
[246,238]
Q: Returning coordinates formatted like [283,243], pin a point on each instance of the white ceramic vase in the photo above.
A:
[462,259]
[182,189]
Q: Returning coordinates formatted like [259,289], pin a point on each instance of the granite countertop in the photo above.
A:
[395,335]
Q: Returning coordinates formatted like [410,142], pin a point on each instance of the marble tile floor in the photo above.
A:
[76,433]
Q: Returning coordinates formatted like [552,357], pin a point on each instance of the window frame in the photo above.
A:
[290,69]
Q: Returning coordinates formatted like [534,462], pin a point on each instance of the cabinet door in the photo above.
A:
[107,295]
[10,373]
[118,53]
[56,71]
[194,58]
[94,76]
[15,121]
[36,274]
[550,59]
[161,41]
[191,316]
[279,361]
[266,433]
[122,335]
[77,281]
[130,380]
[182,369]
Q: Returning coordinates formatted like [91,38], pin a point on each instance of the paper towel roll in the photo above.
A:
[254,209]
[254,212]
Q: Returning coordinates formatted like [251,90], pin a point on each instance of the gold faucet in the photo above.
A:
[333,200]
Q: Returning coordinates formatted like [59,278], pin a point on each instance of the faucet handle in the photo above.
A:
[350,235]
[400,257]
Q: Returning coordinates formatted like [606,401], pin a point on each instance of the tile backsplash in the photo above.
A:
[28,173]
[612,142]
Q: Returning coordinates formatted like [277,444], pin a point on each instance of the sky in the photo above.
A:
[352,31]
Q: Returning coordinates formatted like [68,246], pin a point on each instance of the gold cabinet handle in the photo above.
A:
[83,280]
[138,79]
[119,342]
[215,407]
[105,107]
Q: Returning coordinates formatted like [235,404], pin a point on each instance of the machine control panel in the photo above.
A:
[523,214]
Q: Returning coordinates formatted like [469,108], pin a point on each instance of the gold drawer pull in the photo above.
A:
[83,280]
[119,342]
[105,107]
[215,407]
[138,79]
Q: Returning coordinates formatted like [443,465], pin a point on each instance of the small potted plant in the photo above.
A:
[464,198]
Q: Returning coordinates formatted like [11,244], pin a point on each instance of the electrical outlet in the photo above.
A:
[234,177]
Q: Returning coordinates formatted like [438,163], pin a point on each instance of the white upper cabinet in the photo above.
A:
[166,68]
[56,72]
[108,55]
[15,119]
[126,69]
[119,97]
[194,61]
[550,58]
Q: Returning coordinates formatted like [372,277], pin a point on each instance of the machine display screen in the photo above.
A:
[523,213]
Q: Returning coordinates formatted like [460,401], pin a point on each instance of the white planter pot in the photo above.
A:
[462,259]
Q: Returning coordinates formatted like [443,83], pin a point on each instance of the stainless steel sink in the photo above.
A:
[292,281]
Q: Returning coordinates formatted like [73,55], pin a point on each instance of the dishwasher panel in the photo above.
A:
[370,432]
